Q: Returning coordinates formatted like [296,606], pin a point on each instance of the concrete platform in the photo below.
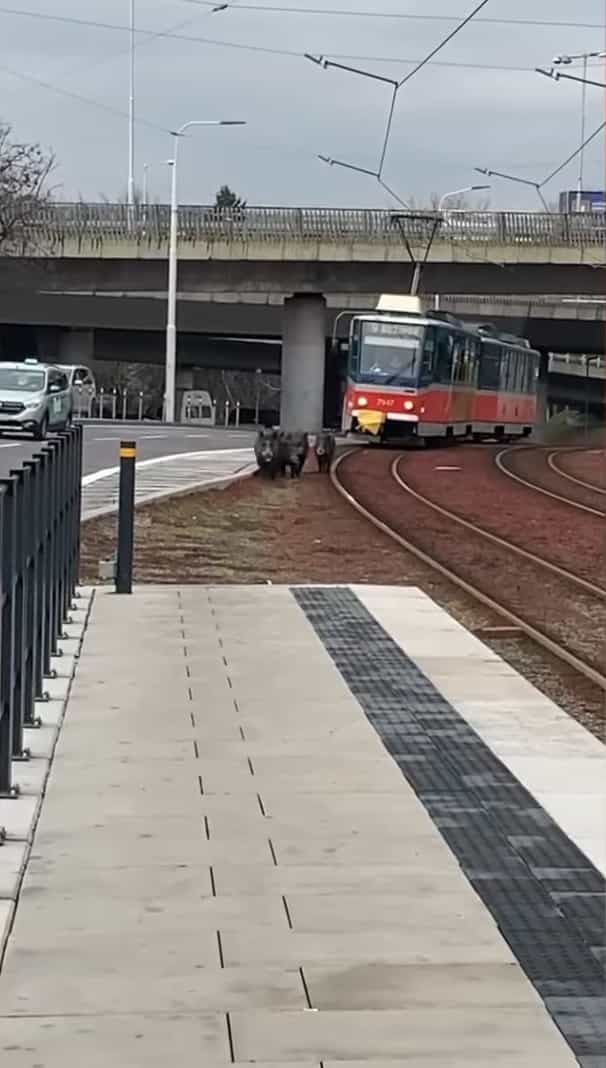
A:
[294,827]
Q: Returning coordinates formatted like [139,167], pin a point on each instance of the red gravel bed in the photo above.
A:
[476,490]
[574,618]
[587,464]
[532,464]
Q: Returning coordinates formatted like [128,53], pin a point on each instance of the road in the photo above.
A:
[101,444]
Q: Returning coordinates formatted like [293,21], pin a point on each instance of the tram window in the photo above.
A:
[532,372]
[354,349]
[458,356]
[513,372]
[490,367]
[427,362]
[475,351]
[443,361]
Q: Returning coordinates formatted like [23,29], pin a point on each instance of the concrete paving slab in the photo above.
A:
[130,1041]
[187,883]
[49,712]
[330,879]
[417,851]
[104,850]
[64,666]
[398,1035]
[152,915]
[41,741]
[18,816]
[13,857]
[446,946]
[6,923]
[31,775]
[468,1059]
[377,987]
[111,953]
[31,989]
[336,912]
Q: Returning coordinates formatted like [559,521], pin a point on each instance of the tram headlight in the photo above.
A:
[362,402]
[409,406]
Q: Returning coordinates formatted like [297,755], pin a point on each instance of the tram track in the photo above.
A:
[592,486]
[537,469]
[531,592]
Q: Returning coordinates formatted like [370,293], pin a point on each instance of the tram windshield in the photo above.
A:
[390,353]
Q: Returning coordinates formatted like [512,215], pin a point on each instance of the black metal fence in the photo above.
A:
[39,553]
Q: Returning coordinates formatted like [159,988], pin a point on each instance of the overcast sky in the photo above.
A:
[448,119]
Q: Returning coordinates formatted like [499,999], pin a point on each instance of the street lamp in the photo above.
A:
[171,318]
[131,110]
[459,193]
[567,61]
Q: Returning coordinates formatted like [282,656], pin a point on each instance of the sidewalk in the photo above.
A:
[230,868]
[166,476]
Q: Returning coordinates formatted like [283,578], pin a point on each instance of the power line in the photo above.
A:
[396,87]
[109,108]
[150,35]
[576,153]
[428,58]
[402,16]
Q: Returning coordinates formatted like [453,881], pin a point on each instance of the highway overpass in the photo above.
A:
[127,326]
[263,273]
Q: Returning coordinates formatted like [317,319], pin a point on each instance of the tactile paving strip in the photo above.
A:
[543,892]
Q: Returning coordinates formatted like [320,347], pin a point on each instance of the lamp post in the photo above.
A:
[460,192]
[131,110]
[171,318]
[566,61]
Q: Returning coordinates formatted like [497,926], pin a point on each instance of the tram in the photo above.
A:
[413,373]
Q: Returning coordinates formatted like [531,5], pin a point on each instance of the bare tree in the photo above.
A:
[24,171]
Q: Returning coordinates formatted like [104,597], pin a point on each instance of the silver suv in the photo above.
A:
[34,397]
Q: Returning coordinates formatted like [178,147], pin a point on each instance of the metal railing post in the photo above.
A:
[7,536]
[18,594]
[30,591]
[126,517]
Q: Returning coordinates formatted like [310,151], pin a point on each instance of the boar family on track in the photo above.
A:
[281,453]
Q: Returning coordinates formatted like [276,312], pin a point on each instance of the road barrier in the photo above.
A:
[40,553]
[150,224]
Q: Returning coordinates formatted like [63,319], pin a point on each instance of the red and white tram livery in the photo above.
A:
[427,375]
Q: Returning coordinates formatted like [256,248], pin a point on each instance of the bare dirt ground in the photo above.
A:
[303,532]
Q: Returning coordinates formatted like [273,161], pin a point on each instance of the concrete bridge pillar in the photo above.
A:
[303,362]
[76,347]
[48,339]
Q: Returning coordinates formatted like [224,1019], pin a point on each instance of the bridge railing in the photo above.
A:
[151,223]
[39,551]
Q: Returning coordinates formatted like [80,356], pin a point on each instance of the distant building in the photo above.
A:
[590,201]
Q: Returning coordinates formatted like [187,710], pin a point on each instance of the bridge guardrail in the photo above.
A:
[40,552]
[150,224]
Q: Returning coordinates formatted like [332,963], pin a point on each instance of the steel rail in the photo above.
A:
[541,489]
[551,646]
[571,478]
